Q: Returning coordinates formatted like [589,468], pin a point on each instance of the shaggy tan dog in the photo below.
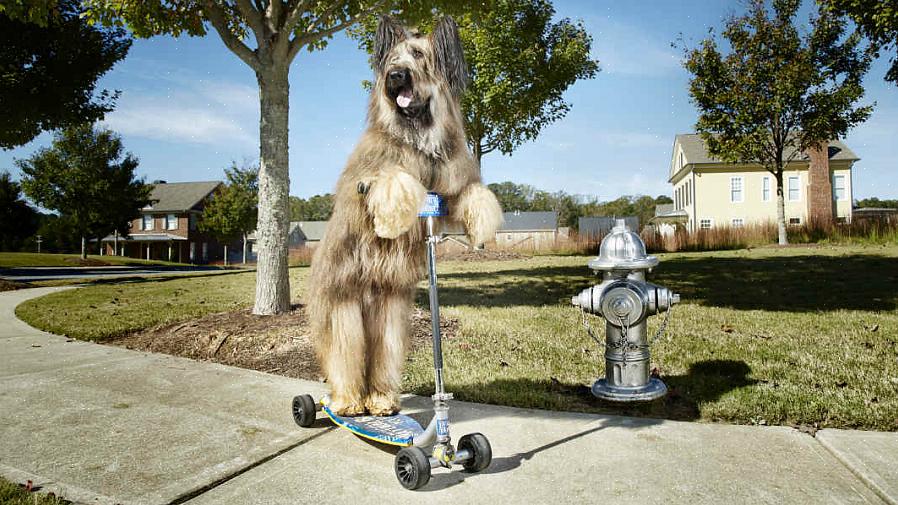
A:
[365,270]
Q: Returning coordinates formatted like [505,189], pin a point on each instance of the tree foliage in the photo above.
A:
[876,203]
[877,20]
[316,208]
[18,220]
[50,61]
[520,64]
[777,93]
[523,197]
[87,176]
[232,211]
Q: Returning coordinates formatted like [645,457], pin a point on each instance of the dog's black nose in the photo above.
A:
[398,77]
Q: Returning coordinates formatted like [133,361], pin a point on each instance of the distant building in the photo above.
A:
[715,193]
[667,217]
[300,234]
[167,227]
[594,227]
[530,230]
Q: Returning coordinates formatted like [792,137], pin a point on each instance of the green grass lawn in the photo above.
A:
[14,494]
[763,336]
[14,259]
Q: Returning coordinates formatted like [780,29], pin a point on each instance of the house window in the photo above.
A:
[794,189]
[794,221]
[171,222]
[738,222]
[191,221]
[839,187]
[735,189]
[688,193]
[765,189]
[147,223]
[705,224]
[205,251]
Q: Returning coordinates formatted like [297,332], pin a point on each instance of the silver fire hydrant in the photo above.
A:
[625,300]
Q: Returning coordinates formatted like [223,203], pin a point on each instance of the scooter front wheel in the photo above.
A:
[412,467]
[304,410]
[479,448]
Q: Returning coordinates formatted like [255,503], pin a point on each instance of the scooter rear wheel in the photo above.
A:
[412,467]
[304,410]
[481,452]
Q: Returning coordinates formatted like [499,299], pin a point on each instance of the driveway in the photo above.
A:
[32,274]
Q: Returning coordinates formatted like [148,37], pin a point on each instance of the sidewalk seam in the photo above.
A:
[857,473]
[189,495]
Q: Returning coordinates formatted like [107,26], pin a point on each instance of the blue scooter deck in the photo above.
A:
[397,429]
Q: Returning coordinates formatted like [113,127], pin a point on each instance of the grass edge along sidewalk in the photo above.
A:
[796,336]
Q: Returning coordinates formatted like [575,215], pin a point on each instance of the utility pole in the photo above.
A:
[39,240]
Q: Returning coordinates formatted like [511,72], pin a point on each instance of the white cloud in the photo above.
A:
[179,123]
[627,50]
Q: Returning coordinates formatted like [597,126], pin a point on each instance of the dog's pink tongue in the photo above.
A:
[404,98]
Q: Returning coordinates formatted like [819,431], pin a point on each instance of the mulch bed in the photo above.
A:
[278,344]
[12,285]
[483,255]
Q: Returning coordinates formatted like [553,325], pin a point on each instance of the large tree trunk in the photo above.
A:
[272,279]
[782,239]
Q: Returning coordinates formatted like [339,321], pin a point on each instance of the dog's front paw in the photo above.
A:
[480,212]
[394,201]
[382,404]
[346,407]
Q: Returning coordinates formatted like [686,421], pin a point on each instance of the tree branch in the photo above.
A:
[253,17]
[298,42]
[217,17]
[273,14]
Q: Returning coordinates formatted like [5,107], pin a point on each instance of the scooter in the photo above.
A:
[422,449]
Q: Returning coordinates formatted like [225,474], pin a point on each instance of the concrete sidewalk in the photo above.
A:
[102,424]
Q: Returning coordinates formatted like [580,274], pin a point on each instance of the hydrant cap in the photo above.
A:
[622,249]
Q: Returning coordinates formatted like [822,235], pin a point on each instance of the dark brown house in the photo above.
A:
[167,228]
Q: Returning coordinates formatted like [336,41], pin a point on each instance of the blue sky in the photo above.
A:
[189,108]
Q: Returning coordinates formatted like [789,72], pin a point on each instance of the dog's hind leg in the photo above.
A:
[345,360]
[387,341]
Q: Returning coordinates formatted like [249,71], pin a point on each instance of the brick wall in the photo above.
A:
[820,190]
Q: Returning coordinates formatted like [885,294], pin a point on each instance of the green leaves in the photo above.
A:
[233,209]
[776,93]
[87,176]
[50,61]
[877,20]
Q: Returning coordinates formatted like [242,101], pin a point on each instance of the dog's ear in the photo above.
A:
[389,33]
[450,58]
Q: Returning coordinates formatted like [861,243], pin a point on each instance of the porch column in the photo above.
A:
[169,251]
[148,251]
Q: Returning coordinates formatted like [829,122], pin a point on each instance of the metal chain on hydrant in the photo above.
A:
[622,342]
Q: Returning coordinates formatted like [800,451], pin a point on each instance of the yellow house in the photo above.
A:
[713,193]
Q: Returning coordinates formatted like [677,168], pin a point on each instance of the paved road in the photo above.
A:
[31,274]
[107,425]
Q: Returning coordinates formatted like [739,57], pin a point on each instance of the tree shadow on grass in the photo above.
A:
[793,283]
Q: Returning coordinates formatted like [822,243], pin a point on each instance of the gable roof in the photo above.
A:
[179,196]
[529,221]
[695,152]
[307,230]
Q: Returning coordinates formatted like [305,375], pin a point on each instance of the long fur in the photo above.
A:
[365,270]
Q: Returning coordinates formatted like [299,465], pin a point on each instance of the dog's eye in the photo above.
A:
[417,54]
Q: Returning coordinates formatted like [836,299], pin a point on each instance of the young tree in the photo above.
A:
[86,176]
[18,220]
[877,19]
[233,210]
[777,93]
[49,66]
[520,65]
[279,29]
